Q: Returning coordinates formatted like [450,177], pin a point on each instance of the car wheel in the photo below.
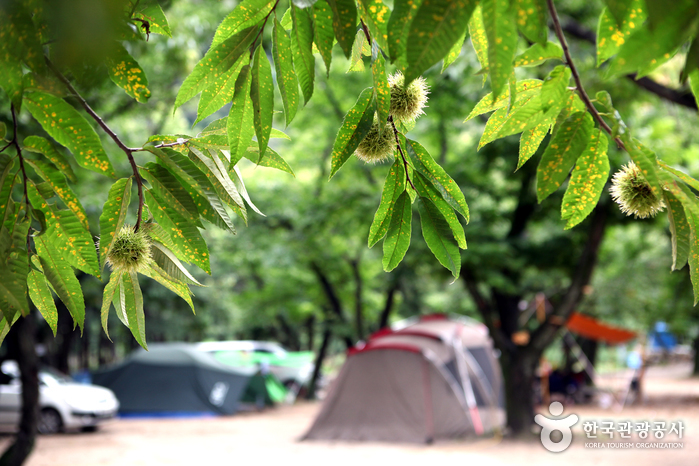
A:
[50,421]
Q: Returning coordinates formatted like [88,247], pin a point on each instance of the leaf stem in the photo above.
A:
[400,150]
[569,61]
[127,150]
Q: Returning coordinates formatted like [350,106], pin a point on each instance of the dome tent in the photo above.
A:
[174,378]
[435,379]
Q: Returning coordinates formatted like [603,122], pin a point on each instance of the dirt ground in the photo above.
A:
[271,437]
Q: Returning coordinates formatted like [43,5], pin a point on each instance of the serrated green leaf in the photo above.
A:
[525,89]
[113,215]
[502,123]
[211,164]
[538,54]
[679,229]
[323,34]
[59,185]
[180,289]
[530,142]
[680,175]
[44,146]
[554,88]
[479,39]
[240,119]
[382,93]
[132,301]
[156,19]
[220,92]
[197,185]
[437,25]
[182,232]
[62,279]
[429,192]
[531,16]
[455,51]
[170,264]
[271,159]
[438,236]
[169,188]
[217,61]
[430,169]
[375,15]
[21,38]
[247,14]
[587,181]
[354,128]
[344,23]
[108,293]
[237,178]
[357,58]
[301,44]
[397,239]
[399,27]
[14,266]
[563,150]
[43,300]
[262,95]
[70,129]
[645,160]
[286,77]
[392,188]
[693,258]
[126,73]
[66,234]
[502,42]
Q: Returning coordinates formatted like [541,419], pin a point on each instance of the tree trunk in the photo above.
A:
[28,363]
[519,370]
[695,371]
[313,385]
[310,331]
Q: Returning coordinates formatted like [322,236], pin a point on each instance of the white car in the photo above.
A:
[63,404]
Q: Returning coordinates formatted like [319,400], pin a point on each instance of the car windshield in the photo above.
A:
[52,377]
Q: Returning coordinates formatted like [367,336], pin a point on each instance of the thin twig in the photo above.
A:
[262,28]
[15,142]
[400,151]
[366,31]
[127,150]
[578,82]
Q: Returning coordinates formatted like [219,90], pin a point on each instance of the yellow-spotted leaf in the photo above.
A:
[286,77]
[58,183]
[301,45]
[525,89]
[126,73]
[538,54]
[438,236]
[44,146]
[479,39]
[530,142]
[344,23]
[42,298]
[428,191]
[132,301]
[70,129]
[247,14]
[323,34]
[502,42]
[563,150]
[220,92]
[262,95]
[530,16]
[375,15]
[108,295]
[157,22]
[587,181]
[397,239]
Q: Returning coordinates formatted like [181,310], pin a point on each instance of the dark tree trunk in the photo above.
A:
[519,370]
[388,306]
[28,363]
[333,299]
[313,385]
[64,338]
[358,308]
[695,371]
[589,349]
[310,331]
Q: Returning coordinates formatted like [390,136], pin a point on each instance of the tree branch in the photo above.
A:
[127,150]
[15,143]
[400,151]
[685,99]
[569,61]
[545,333]
[333,299]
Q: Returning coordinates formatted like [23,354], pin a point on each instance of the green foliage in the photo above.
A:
[186,179]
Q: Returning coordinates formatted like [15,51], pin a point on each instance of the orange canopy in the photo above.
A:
[593,329]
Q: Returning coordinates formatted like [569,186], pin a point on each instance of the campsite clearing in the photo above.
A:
[271,437]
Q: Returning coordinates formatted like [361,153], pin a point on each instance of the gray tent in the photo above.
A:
[435,379]
[174,378]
